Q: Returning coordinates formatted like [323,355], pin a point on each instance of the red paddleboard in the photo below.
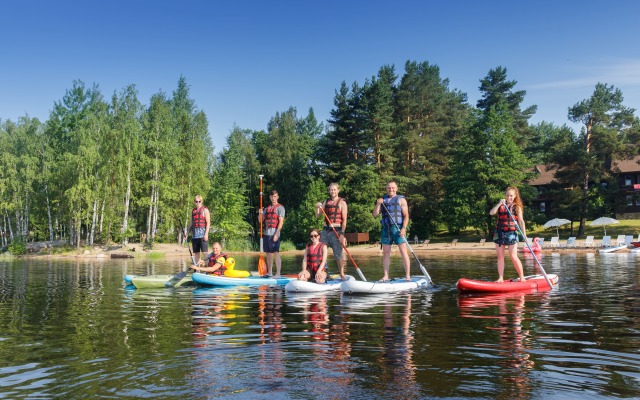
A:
[533,282]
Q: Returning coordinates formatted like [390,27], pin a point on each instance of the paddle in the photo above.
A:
[343,246]
[178,277]
[262,265]
[422,268]
[546,278]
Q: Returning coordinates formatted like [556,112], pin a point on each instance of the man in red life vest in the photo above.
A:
[214,262]
[336,210]
[200,222]
[273,217]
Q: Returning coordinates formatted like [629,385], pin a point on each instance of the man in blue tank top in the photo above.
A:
[395,219]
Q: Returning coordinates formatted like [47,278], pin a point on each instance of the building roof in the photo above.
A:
[544,175]
[628,165]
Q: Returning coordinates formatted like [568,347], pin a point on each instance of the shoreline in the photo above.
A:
[136,250]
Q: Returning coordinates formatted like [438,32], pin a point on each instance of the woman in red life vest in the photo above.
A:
[214,261]
[506,233]
[314,262]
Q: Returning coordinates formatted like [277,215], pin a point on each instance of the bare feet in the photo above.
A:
[500,280]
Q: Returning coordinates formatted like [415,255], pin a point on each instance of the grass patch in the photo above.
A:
[154,255]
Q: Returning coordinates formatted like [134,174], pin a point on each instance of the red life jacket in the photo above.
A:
[197,216]
[213,261]
[333,211]
[505,223]
[271,216]
[314,257]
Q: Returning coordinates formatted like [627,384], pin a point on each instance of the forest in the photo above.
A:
[115,170]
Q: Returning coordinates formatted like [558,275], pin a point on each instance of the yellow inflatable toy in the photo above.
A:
[230,264]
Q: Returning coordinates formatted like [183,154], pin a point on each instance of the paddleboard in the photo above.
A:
[312,287]
[533,282]
[154,281]
[353,286]
[217,280]
[612,249]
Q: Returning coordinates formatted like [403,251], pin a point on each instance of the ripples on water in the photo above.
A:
[71,330]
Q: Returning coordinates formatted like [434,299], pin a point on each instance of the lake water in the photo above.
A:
[71,329]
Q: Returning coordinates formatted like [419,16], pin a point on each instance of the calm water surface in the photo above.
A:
[71,329]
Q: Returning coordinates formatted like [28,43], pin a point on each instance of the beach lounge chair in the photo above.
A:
[554,241]
[620,240]
[588,242]
[571,242]
[424,242]
[541,242]
[482,241]
[606,241]
[453,242]
[627,240]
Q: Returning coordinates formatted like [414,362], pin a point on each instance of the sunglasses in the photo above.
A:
[198,201]
[313,236]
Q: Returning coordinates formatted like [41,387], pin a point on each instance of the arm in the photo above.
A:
[495,209]
[324,256]
[523,228]
[319,208]
[207,219]
[304,260]
[376,209]
[280,223]
[405,216]
[201,268]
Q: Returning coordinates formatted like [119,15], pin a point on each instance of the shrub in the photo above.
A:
[18,247]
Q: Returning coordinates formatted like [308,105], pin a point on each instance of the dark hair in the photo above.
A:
[273,192]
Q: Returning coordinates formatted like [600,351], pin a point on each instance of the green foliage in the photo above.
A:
[18,247]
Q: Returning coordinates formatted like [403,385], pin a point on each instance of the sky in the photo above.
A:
[244,61]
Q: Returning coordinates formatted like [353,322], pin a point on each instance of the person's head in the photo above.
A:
[314,235]
[216,248]
[273,195]
[512,196]
[392,188]
[334,189]
[198,200]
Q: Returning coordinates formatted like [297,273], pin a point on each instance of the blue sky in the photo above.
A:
[247,60]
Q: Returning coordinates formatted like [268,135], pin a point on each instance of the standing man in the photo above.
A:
[335,217]
[273,217]
[395,219]
[200,222]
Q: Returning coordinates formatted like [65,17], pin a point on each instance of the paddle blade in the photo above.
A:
[262,266]
[176,278]
[361,274]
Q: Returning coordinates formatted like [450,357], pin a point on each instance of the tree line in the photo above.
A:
[114,170]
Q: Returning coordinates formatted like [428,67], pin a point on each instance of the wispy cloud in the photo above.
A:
[619,73]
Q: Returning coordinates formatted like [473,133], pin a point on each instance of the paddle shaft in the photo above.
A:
[178,277]
[260,216]
[546,278]
[343,246]
[422,268]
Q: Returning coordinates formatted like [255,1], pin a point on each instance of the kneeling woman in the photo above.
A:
[314,263]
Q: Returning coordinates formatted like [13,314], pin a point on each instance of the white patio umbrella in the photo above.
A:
[604,221]
[555,223]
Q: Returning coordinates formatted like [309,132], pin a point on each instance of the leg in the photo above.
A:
[386,260]
[404,253]
[278,263]
[500,251]
[513,253]
[270,263]
[341,264]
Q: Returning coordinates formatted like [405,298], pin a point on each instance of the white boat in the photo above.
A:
[353,286]
[612,249]
[332,284]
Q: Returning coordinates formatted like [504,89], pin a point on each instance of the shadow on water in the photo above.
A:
[72,329]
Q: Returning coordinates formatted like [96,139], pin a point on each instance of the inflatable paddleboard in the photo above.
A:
[312,287]
[154,281]
[353,286]
[533,282]
[612,249]
[217,280]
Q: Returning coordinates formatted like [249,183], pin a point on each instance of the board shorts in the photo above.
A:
[328,237]
[391,235]
[503,238]
[199,245]
[269,245]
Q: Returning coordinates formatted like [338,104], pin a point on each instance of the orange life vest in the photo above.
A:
[197,216]
[213,260]
[333,211]
[271,216]
[314,257]
[505,222]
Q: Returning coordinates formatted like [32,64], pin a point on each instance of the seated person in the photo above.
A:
[314,262]
[214,261]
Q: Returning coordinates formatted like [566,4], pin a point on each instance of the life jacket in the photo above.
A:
[393,211]
[271,216]
[213,261]
[333,211]
[197,216]
[314,258]
[505,222]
